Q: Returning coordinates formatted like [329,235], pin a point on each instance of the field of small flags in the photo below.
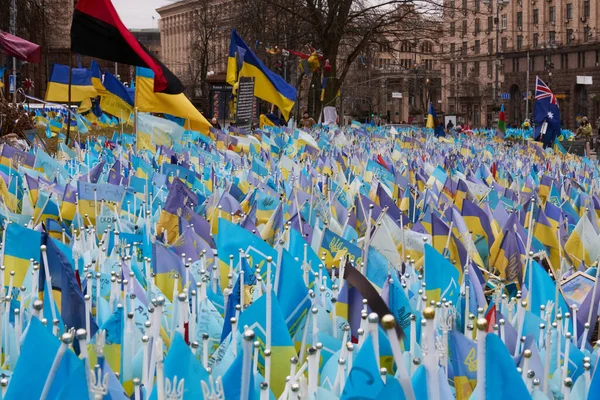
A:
[338,263]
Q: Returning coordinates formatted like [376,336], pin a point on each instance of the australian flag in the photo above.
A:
[546,114]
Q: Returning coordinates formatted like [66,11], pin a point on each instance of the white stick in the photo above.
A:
[66,339]
[481,348]
[246,364]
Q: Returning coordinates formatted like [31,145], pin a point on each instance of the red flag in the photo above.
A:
[491,317]
[97,31]
[22,49]
[382,162]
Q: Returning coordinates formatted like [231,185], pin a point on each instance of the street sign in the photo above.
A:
[11,83]
[245,100]
[396,95]
[584,80]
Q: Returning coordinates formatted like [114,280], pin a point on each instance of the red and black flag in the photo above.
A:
[97,31]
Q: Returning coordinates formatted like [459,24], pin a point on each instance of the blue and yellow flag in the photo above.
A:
[117,100]
[441,277]
[463,364]
[146,100]
[282,347]
[81,84]
[268,86]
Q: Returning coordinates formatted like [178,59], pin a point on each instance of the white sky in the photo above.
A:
[139,13]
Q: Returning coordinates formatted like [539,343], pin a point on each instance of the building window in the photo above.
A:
[490,24]
[536,40]
[476,68]
[519,42]
[520,19]
[477,26]
[504,22]
[531,63]
[464,27]
[570,11]
[570,36]
[452,70]
[564,61]
[504,43]
[452,28]
[552,14]
[452,6]
[536,16]
[477,47]
[551,37]
[490,46]
[464,7]
[464,69]
[477,5]
[515,65]
[586,8]
[464,49]
[587,31]
[452,49]
[489,68]
[581,59]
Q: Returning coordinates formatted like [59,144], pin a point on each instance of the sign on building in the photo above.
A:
[584,80]
[396,95]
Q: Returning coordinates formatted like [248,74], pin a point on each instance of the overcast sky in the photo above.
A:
[139,13]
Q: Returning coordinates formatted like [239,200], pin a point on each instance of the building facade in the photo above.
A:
[493,51]
[179,25]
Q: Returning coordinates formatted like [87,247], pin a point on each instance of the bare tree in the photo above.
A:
[203,31]
[343,29]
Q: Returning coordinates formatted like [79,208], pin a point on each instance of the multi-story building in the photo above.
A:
[493,51]
[396,80]
[179,25]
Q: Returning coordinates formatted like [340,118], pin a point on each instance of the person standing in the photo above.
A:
[306,121]
[585,132]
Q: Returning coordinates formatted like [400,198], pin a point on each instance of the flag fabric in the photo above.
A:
[431,116]
[502,381]
[546,114]
[58,84]
[175,104]
[97,31]
[117,100]
[242,62]
[22,49]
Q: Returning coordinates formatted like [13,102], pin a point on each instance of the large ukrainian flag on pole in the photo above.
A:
[268,86]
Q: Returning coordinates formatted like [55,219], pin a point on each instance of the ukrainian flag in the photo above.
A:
[81,84]
[22,245]
[431,116]
[282,347]
[268,86]
[117,100]
[546,234]
[97,78]
[178,105]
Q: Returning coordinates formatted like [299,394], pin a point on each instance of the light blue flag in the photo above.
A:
[544,289]
[502,380]
[419,383]
[441,277]
[36,358]
[364,380]
[182,363]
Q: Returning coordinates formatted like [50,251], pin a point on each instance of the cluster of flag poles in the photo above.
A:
[364,262]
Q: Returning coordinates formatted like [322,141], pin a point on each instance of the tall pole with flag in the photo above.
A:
[431,116]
